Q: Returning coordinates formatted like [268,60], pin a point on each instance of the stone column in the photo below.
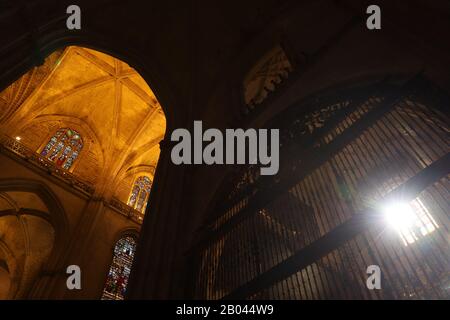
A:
[150,276]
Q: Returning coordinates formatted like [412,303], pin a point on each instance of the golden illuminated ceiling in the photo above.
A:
[102,98]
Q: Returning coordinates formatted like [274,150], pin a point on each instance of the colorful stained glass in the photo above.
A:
[119,271]
[140,203]
[139,194]
[63,148]
[133,196]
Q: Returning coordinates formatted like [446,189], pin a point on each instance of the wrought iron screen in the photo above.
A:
[311,231]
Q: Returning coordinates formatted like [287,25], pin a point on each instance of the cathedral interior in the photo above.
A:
[86,176]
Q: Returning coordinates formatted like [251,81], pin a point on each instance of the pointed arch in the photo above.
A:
[56,216]
[120,267]
[139,193]
[78,124]
[63,147]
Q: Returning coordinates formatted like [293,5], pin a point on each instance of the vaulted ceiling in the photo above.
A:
[101,97]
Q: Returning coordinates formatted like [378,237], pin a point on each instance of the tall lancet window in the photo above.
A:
[119,271]
[139,194]
[63,148]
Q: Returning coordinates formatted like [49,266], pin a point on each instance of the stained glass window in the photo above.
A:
[139,193]
[63,148]
[116,283]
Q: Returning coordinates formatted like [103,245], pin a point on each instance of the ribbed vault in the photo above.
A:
[102,98]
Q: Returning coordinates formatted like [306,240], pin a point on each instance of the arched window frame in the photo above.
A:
[119,269]
[57,137]
[139,193]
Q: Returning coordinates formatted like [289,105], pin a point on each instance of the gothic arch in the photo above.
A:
[56,215]
[132,232]
[129,165]
[134,170]
[57,37]
[56,209]
[127,232]
[29,242]
[77,123]
[29,212]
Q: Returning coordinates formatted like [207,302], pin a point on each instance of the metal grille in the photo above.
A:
[295,236]
[409,272]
